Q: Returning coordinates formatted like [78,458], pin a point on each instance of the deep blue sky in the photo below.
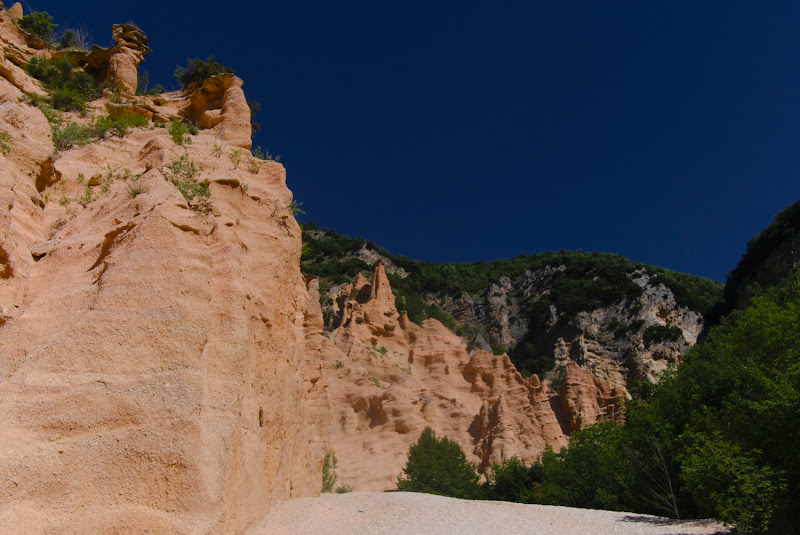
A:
[460,131]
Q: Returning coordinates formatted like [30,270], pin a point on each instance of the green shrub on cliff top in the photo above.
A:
[38,23]
[198,70]
[69,88]
[586,282]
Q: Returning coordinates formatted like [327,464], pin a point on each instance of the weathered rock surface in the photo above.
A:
[586,400]
[15,11]
[14,54]
[515,312]
[153,365]
[118,66]
[220,102]
[163,363]
[386,379]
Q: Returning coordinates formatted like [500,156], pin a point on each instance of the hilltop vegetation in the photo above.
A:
[563,283]
[589,280]
[783,229]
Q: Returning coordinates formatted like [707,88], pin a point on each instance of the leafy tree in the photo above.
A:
[734,485]
[255,107]
[736,398]
[438,466]
[198,70]
[783,228]
[659,333]
[716,436]
[510,481]
[586,474]
[39,23]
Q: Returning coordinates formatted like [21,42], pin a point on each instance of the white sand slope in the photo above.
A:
[367,513]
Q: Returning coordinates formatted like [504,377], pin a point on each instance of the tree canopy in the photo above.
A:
[438,466]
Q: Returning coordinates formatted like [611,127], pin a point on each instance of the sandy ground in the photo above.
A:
[374,513]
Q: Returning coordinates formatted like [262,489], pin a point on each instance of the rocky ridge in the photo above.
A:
[386,379]
[624,321]
[152,346]
[164,365]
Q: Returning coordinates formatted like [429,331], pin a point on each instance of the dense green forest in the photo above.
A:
[785,226]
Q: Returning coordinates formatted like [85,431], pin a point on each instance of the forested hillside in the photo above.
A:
[525,305]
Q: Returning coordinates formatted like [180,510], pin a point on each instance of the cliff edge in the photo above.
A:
[151,311]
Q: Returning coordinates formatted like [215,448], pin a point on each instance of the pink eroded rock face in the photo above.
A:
[15,11]
[126,56]
[386,379]
[219,103]
[153,362]
[163,364]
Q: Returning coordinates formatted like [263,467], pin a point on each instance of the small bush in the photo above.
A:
[5,143]
[329,477]
[438,466]
[121,125]
[74,39]
[38,23]
[179,131]
[69,89]
[662,333]
[136,188]
[255,165]
[198,70]
[87,197]
[67,136]
[236,157]
[261,155]
[183,174]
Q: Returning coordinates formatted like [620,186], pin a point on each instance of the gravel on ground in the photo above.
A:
[384,513]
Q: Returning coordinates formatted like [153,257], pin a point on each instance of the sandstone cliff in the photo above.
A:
[152,345]
[164,366]
[624,321]
[386,379]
